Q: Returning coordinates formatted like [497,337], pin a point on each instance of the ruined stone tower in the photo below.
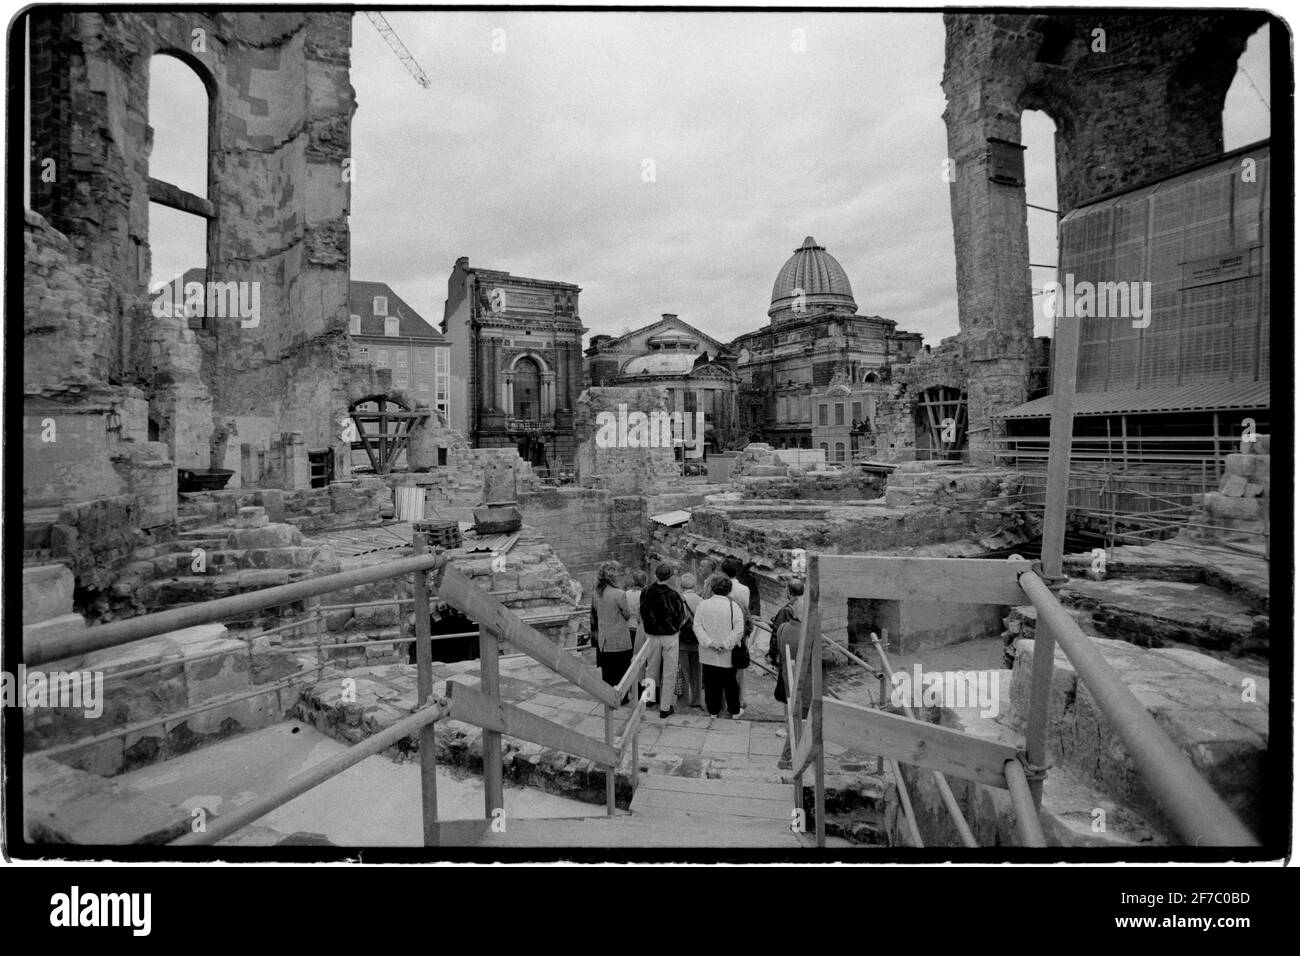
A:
[1133,98]
[132,394]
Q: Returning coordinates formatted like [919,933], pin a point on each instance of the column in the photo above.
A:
[548,394]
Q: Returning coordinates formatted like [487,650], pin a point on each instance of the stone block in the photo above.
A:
[270,536]
[34,635]
[1234,486]
[1254,490]
[1242,466]
[252,517]
[47,592]
[1222,506]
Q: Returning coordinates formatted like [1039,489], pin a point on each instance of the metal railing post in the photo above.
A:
[424,688]
[1196,810]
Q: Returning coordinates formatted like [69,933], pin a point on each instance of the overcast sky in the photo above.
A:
[534,159]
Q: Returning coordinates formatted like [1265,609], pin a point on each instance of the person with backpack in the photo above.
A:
[719,627]
[787,629]
[663,612]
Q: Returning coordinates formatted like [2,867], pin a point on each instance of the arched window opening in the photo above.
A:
[1038,136]
[180,214]
[1247,113]
[528,390]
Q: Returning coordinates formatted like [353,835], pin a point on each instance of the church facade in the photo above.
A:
[695,369]
[815,337]
[516,362]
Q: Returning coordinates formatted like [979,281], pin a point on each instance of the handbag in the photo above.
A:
[739,653]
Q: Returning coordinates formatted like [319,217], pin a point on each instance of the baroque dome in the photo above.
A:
[821,278]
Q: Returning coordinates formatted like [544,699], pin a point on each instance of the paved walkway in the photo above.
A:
[688,744]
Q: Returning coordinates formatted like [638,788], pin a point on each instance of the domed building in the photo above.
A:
[814,336]
[694,368]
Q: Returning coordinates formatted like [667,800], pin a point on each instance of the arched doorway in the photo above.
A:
[528,390]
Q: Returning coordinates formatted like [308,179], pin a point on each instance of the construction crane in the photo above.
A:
[399,47]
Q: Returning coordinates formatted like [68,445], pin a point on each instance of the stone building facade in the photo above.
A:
[387,333]
[516,362]
[694,369]
[814,333]
[118,394]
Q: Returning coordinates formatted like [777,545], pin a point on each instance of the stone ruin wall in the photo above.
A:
[277,141]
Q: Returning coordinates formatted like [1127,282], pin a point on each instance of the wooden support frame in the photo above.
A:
[630,675]
[952,580]
[460,592]
[424,688]
[472,706]
[929,746]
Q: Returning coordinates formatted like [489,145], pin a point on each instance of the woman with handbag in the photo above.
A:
[719,627]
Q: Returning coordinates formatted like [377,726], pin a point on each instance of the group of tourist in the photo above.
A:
[698,626]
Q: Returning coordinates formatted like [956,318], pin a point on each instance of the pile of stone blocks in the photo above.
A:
[1240,505]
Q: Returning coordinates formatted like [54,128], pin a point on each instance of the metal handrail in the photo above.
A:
[315,776]
[1196,810]
[71,643]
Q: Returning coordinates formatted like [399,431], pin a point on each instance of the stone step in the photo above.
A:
[622,831]
[47,592]
[68,806]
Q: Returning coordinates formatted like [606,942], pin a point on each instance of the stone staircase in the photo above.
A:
[667,811]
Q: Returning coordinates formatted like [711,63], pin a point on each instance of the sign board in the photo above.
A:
[1223,267]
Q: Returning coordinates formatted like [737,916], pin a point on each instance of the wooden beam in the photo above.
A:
[953,580]
[629,676]
[1065,353]
[472,706]
[815,731]
[165,194]
[805,752]
[916,742]
[630,728]
[481,607]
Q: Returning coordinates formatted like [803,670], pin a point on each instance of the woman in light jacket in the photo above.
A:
[719,626]
[614,640]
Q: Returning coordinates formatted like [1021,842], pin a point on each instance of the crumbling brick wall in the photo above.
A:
[278,201]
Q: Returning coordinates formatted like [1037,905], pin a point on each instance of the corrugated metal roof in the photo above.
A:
[1164,398]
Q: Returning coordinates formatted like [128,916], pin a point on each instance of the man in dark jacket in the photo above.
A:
[662,614]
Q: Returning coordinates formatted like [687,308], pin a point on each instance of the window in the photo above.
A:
[839,451]
[354,325]
[422,357]
[380,305]
[364,352]
[390,326]
[401,360]
[857,411]
[381,358]
[822,446]
[839,413]
[181,218]
[823,416]
[528,390]
[424,386]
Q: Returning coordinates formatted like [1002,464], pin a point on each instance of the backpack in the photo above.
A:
[686,636]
